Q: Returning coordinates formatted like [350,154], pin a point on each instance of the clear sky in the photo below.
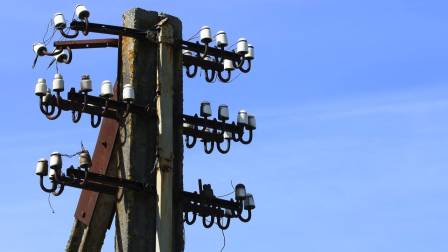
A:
[351,99]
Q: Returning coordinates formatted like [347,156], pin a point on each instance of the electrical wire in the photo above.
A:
[49,203]
[232,45]
[224,240]
[227,194]
[45,40]
[194,35]
[236,77]
[71,155]
[75,154]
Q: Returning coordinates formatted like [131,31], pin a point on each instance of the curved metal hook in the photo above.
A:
[204,221]
[187,220]
[223,226]
[212,146]
[69,36]
[220,59]
[54,53]
[85,32]
[249,66]
[76,116]
[45,189]
[92,121]
[247,219]
[205,51]
[235,136]
[191,74]
[209,78]
[248,140]
[60,191]
[57,180]
[223,79]
[187,141]
[58,105]
[227,149]
[44,107]
[239,63]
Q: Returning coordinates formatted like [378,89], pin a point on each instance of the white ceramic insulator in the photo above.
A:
[55,160]
[228,65]
[39,49]
[221,39]
[252,121]
[223,112]
[128,92]
[59,21]
[242,117]
[240,191]
[52,173]
[249,202]
[41,87]
[58,83]
[206,109]
[205,35]
[250,52]
[241,46]
[227,135]
[61,57]
[46,96]
[86,83]
[187,52]
[42,167]
[84,159]
[82,12]
[106,89]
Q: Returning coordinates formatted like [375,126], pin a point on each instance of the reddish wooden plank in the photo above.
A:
[100,162]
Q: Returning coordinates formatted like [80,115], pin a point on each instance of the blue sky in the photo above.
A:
[351,99]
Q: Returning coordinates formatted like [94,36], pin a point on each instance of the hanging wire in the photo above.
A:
[75,154]
[74,12]
[232,45]
[215,78]
[236,77]
[49,203]
[194,35]
[45,40]
[227,194]
[71,155]
[46,32]
[224,240]
[52,63]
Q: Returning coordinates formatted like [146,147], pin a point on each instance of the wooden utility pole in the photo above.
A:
[148,150]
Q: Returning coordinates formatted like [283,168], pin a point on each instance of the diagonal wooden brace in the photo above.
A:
[100,162]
